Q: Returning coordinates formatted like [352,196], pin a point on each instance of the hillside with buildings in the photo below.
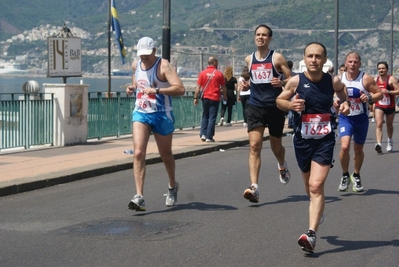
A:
[198,29]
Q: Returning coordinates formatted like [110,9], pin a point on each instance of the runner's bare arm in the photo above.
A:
[393,82]
[372,87]
[131,88]
[340,91]
[282,66]
[168,72]
[283,101]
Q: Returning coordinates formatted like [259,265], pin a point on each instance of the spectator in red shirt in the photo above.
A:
[210,82]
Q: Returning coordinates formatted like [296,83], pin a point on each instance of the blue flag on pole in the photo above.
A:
[116,27]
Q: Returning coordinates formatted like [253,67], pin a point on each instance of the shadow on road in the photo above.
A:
[294,198]
[192,206]
[371,192]
[350,245]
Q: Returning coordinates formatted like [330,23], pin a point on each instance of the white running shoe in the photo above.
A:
[284,174]
[344,184]
[308,241]
[137,203]
[171,196]
[389,145]
[252,194]
[357,184]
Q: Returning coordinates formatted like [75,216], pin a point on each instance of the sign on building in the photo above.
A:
[64,57]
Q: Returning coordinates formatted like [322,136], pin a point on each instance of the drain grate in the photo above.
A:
[143,229]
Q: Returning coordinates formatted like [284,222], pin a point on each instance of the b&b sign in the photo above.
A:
[64,57]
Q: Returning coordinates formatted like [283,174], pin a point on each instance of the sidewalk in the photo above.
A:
[34,169]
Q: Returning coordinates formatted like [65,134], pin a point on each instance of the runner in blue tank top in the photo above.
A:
[314,138]
[265,68]
[362,91]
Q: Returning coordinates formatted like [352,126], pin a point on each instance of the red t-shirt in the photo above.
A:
[217,81]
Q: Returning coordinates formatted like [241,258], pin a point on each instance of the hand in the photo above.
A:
[298,104]
[149,91]
[363,97]
[344,108]
[336,103]
[245,85]
[276,82]
[130,90]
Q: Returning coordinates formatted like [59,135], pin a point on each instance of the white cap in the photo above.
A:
[145,46]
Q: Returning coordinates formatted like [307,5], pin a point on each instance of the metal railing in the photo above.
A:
[26,120]
[108,117]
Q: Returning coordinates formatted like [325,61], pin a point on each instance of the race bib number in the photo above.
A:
[315,126]
[262,73]
[147,103]
[356,107]
[386,101]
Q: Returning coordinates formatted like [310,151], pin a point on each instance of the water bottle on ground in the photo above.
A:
[129,151]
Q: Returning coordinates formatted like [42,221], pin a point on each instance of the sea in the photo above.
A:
[13,84]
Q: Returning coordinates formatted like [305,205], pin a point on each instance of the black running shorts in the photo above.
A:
[270,117]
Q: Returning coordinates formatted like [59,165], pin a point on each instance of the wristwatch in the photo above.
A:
[370,98]
[157,90]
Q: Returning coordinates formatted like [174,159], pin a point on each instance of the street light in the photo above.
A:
[201,49]
[234,51]
[336,37]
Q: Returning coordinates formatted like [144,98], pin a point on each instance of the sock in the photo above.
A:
[311,232]
[345,174]
[281,167]
[255,186]
[356,174]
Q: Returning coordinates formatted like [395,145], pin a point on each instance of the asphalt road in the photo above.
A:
[87,222]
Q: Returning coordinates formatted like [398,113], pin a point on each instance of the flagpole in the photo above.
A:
[109,48]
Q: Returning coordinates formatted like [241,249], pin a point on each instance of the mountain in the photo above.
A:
[193,24]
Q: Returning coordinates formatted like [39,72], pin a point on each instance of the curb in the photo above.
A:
[96,170]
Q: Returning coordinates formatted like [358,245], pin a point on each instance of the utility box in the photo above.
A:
[70,112]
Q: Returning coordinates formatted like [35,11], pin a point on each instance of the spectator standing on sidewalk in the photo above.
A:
[210,83]
[265,67]
[154,81]
[231,86]
[312,101]
[385,107]
[243,96]
[362,91]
